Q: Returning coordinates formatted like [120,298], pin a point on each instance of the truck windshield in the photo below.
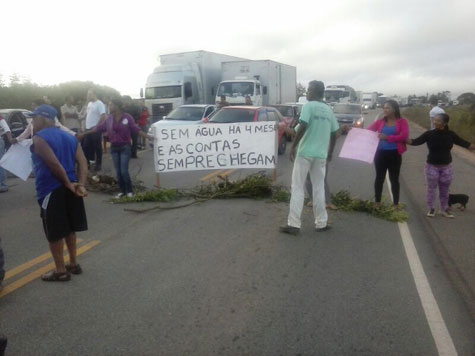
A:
[163,92]
[333,96]
[186,113]
[233,115]
[236,89]
[347,109]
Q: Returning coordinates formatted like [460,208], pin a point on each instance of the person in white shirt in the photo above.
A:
[71,115]
[4,132]
[435,110]
[92,144]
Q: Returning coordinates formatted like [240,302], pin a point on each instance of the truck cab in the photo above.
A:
[169,87]
[237,90]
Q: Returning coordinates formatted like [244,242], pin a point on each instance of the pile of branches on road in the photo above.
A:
[344,201]
[101,183]
[254,186]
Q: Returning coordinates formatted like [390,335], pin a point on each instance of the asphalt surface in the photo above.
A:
[219,279]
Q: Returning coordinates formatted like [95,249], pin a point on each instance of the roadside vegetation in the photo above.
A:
[462,119]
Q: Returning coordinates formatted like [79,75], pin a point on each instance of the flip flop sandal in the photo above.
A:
[76,269]
[54,276]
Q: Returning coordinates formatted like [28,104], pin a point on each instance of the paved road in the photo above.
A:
[219,279]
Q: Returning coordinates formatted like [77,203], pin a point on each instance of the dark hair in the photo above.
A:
[434,100]
[395,106]
[445,119]
[318,87]
[117,103]
[223,96]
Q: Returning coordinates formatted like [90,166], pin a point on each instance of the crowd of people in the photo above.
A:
[314,142]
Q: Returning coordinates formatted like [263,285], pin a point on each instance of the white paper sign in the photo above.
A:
[215,146]
[18,160]
[361,145]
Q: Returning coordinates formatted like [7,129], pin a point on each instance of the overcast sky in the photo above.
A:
[395,47]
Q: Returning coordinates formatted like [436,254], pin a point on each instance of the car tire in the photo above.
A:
[282,145]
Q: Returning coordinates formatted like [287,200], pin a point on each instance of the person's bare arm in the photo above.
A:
[10,138]
[333,137]
[298,137]
[82,171]
[43,150]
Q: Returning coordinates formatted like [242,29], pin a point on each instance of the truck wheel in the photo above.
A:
[282,146]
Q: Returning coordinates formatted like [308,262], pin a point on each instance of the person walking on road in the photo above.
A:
[4,132]
[438,170]
[393,133]
[119,126]
[313,143]
[60,190]
[96,114]
[143,124]
[434,111]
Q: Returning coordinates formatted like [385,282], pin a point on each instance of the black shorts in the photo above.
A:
[62,213]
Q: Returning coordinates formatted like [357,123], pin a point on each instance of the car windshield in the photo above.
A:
[347,109]
[163,92]
[186,113]
[285,110]
[236,89]
[233,115]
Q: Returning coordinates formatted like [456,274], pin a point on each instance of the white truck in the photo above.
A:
[369,100]
[184,78]
[266,82]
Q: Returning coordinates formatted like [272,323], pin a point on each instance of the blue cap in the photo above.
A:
[46,111]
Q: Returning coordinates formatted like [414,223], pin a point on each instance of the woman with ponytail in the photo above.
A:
[438,170]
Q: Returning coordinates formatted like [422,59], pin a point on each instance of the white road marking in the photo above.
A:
[440,333]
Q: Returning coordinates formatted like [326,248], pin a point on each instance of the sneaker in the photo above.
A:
[447,214]
[3,190]
[431,213]
[322,229]
[130,195]
[292,230]
[332,206]
[118,196]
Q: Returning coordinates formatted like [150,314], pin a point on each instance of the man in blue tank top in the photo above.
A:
[60,190]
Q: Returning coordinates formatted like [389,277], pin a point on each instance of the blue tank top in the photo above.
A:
[64,146]
[384,144]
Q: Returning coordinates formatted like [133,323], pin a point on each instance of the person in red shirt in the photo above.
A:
[143,124]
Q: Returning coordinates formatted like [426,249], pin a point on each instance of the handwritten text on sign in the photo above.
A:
[214,146]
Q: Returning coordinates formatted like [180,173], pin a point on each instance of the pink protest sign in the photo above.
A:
[361,145]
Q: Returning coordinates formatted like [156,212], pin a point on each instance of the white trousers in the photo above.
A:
[316,168]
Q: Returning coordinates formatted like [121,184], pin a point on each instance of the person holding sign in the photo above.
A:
[438,171]
[393,132]
[119,127]
[313,143]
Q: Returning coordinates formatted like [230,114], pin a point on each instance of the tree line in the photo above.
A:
[20,94]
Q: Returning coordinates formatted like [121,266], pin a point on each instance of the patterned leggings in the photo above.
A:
[441,177]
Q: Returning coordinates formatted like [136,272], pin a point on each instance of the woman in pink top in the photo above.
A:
[393,133]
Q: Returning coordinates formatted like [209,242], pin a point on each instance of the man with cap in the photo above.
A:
[60,190]
[313,144]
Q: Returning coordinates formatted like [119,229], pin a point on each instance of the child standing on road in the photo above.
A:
[438,170]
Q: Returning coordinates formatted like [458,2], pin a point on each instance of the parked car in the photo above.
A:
[16,120]
[349,114]
[185,115]
[231,114]
[290,113]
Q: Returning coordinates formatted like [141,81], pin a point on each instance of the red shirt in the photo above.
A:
[144,115]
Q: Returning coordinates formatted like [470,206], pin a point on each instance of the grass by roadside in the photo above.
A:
[462,119]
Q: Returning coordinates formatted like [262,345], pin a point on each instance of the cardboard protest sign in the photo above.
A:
[17,160]
[361,145]
[215,146]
